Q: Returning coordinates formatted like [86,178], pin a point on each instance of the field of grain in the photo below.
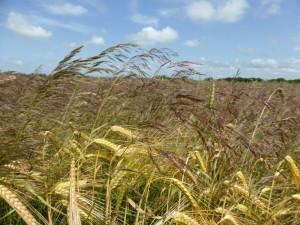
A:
[123,149]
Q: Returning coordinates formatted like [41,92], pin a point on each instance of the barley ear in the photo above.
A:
[243,179]
[117,149]
[201,161]
[228,219]
[53,139]
[211,99]
[294,170]
[296,196]
[182,218]
[14,202]
[125,132]
[242,208]
[117,178]
[253,199]
[179,184]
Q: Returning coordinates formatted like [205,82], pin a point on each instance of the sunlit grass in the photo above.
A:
[146,150]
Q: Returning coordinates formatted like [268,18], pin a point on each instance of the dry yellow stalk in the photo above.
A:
[12,199]
[135,206]
[294,170]
[73,210]
[280,213]
[221,210]
[91,214]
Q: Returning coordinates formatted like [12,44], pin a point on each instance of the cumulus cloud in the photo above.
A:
[167,12]
[14,64]
[192,43]
[19,62]
[140,18]
[99,5]
[21,25]
[297,48]
[263,63]
[284,67]
[271,7]
[263,67]
[96,40]
[201,11]
[71,45]
[76,27]
[144,20]
[66,9]
[151,36]
[230,11]
[247,50]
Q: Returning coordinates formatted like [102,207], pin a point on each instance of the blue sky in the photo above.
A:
[260,37]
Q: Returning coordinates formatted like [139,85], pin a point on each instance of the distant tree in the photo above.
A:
[209,78]
[242,79]
[280,79]
[295,81]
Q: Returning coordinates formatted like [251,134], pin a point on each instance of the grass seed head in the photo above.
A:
[294,170]
[13,200]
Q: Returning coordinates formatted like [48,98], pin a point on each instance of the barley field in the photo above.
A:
[129,148]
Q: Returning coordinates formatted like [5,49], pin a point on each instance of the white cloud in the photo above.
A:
[97,5]
[230,11]
[271,7]
[167,12]
[297,48]
[247,50]
[192,43]
[265,68]
[96,40]
[151,36]
[263,63]
[21,25]
[66,9]
[133,5]
[138,17]
[14,64]
[285,67]
[201,11]
[144,20]
[56,23]
[19,62]
[71,45]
